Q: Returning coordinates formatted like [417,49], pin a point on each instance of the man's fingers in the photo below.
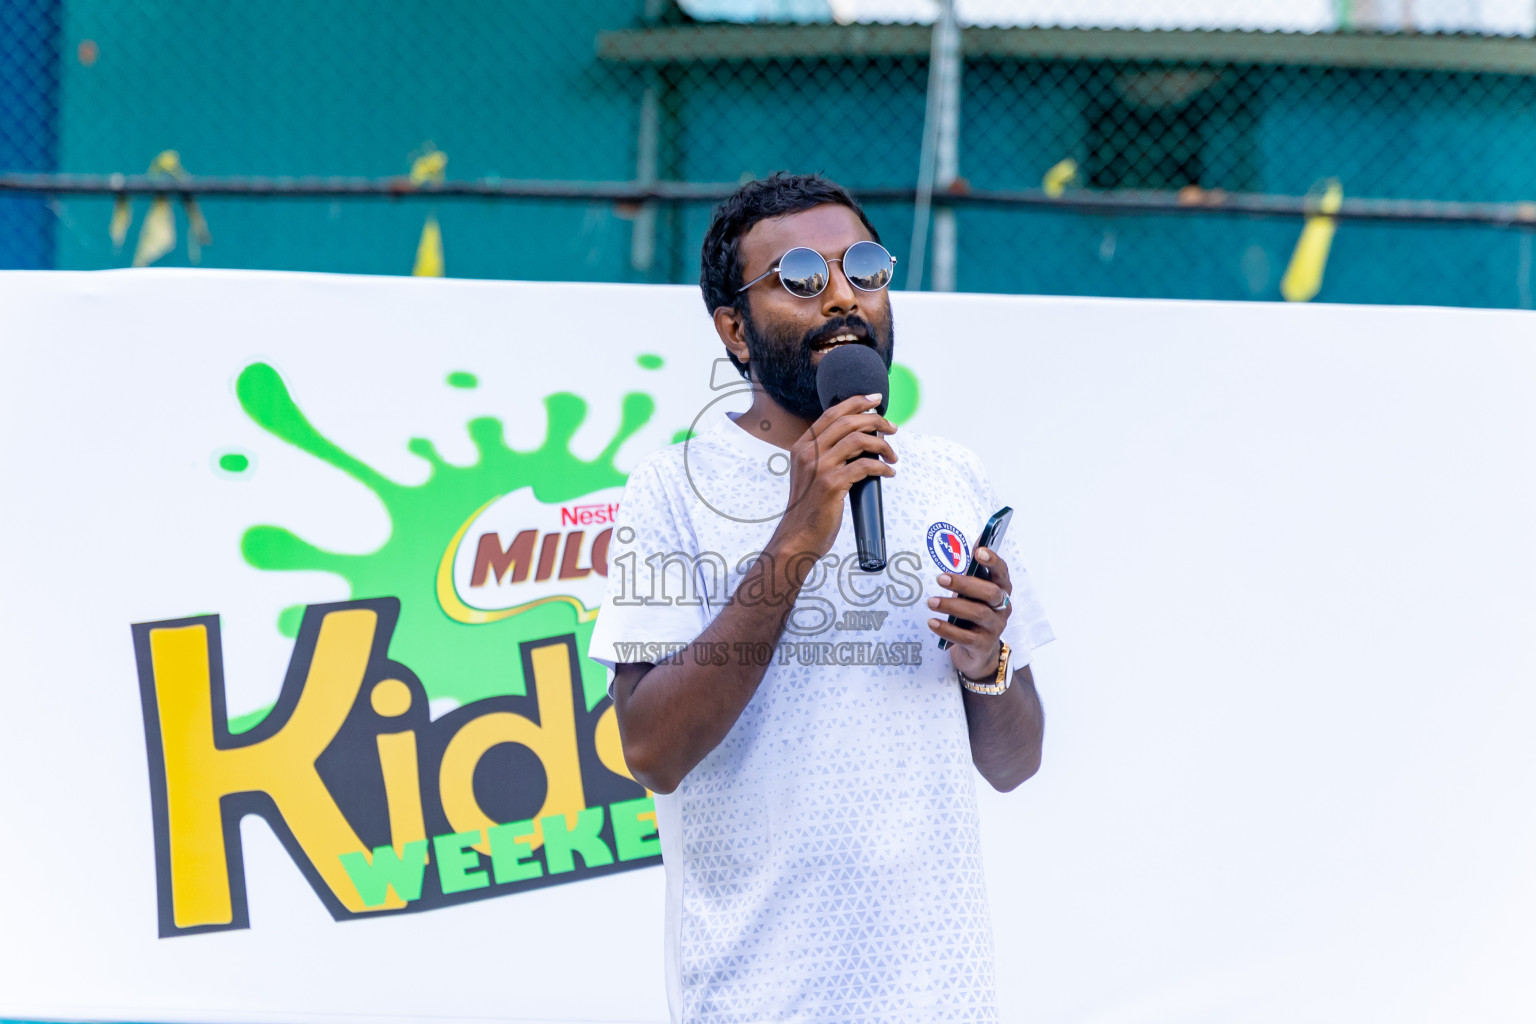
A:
[858,443]
[984,615]
[857,405]
[963,637]
[988,592]
[844,476]
[996,567]
[845,426]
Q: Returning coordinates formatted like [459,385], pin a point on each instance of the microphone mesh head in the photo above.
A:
[850,370]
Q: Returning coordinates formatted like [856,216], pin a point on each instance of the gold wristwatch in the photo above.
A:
[990,687]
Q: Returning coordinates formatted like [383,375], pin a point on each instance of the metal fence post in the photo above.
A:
[939,162]
[947,157]
[642,241]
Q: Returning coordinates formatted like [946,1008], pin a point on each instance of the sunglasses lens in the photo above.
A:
[868,266]
[803,272]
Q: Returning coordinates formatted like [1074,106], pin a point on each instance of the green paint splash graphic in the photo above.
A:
[454,660]
[905,395]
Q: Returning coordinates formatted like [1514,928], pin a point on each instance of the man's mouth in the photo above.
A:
[840,338]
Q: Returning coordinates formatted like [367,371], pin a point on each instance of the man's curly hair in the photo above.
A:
[774,196]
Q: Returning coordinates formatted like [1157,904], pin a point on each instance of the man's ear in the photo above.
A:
[731,328]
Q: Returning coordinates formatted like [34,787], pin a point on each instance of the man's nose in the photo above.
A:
[840,298]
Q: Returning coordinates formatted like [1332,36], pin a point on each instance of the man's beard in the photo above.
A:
[781,363]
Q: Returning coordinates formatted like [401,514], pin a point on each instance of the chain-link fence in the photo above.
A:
[1181,100]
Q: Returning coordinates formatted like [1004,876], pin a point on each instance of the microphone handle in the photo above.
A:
[868,523]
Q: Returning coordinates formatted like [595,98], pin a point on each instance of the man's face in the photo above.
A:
[787,336]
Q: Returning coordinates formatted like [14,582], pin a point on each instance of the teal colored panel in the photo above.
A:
[353,87]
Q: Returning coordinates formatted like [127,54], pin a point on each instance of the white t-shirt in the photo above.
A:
[823,862]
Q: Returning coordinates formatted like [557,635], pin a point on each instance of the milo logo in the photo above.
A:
[517,552]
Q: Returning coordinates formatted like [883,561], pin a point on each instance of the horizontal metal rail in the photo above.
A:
[1384,51]
[1173,203]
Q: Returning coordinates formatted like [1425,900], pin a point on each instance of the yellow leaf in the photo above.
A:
[429,251]
[122,217]
[158,235]
[197,229]
[167,161]
[1304,276]
[429,167]
[1057,179]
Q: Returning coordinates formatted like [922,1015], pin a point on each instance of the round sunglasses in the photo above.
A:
[805,274]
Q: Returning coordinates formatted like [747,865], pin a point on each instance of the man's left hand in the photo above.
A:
[986,605]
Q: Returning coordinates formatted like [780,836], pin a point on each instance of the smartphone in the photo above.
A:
[991,537]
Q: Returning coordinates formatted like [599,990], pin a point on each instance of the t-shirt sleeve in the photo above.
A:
[647,612]
[1027,628]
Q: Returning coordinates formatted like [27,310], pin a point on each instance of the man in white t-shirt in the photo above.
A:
[809,744]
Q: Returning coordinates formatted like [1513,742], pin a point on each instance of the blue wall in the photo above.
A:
[29,96]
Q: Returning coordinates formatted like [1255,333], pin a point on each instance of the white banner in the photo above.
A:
[301,570]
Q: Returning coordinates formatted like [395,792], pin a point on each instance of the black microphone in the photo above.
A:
[848,370]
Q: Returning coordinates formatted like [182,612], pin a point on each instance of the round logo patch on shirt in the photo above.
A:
[948,547]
